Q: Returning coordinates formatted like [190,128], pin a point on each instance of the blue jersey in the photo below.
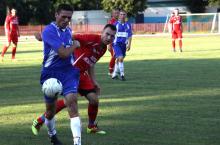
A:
[53,38]
[123,32]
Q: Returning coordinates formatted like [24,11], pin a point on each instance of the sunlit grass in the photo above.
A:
[168,99]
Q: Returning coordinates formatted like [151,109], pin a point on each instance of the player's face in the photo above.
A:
[122,16]
[63,18]
[176,12]
[115,14]
[108,35]
[13,12]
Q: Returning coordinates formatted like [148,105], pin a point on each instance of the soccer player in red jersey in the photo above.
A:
[113,20]
[176,29]
[12,33]
[92,48]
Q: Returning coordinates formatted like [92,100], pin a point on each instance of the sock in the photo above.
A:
[4,51]
[92,113]
[50,126]
[121,68]
[75,125]
[180,44]
[60,105]
[173,44]
[111,65]
[115,70]
[41,119]
[13,52]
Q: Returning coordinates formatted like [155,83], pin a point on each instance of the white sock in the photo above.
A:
[115,70]
[121,68]
[50,126]
[75,125]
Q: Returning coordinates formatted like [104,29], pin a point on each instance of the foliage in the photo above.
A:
[214,2]
[133,7]
[196,6]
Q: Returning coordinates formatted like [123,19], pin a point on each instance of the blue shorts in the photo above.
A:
[119,50]
[69,79]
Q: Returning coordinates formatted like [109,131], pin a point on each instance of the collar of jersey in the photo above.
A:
[58,28]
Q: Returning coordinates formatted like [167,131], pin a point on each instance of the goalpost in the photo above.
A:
[198,23]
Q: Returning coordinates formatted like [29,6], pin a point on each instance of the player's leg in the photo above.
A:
[112,61]
[93,106]
[37,123]
[75,123]
[5,48]
[87,89]
[14,46]
[180,41]
[121,67]
[121,61]
[174,37]
[70,84]
[118,53]
[50,121]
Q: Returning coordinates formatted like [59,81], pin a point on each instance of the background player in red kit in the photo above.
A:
[11,32]
[92,48]
[113,20]
[176,29]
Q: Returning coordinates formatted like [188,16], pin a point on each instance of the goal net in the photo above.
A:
[198,23]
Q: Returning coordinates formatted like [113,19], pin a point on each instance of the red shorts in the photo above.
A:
[85,82]
[177,34]
[13,37]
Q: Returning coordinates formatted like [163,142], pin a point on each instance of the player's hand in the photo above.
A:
[128,47]
[109,48]
[76,43]
[38,36]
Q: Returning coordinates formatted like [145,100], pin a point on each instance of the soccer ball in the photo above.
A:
[52,87]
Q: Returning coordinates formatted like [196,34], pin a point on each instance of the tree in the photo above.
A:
[214,2]
[196,6]
[132,7]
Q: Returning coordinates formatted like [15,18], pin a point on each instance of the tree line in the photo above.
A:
[42,11]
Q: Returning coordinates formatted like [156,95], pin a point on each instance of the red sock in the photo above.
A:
[92,113]
[60,105]
[173,44]
[41,119]
[13,52]
[180,44]
[4,50]
[111,65]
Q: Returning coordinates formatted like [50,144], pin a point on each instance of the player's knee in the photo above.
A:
[71,100]
[49,114]
[94,101]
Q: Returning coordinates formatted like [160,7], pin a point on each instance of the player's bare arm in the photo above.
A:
[91,72]
[129,43]
[66,52]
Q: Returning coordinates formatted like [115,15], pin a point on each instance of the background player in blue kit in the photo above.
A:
[57,63]
[121,44]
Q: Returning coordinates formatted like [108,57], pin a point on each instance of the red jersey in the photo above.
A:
[90,51]
[176,22]
[11,23]
[112,21]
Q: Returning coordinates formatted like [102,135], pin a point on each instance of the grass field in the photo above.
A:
[168,99]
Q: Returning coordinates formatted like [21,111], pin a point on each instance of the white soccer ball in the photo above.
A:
[52,87]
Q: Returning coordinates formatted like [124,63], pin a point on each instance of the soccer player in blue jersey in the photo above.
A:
[121,44]
[57,63]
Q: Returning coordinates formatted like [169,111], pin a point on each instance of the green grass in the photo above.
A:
[168,99]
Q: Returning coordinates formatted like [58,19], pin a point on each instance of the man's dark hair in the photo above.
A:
[112,27]
[65,7]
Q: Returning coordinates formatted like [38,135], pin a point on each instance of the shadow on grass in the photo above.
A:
[162,102]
